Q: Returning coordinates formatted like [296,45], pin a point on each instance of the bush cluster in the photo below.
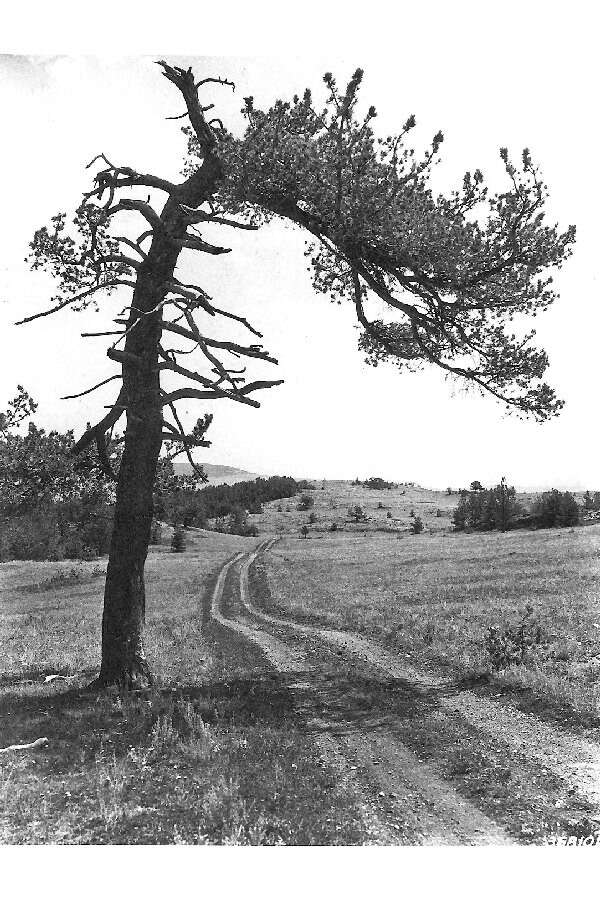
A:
[510,644]
[57,531]
[195,507]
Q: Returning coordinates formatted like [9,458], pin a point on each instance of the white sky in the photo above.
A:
[519,79]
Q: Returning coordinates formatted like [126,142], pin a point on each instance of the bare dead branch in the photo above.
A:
[183,79]
[98,287]
[39,742]
[109,420]
[134,246]
[198,215]
[99,333]
[241,396]
[122,356]
[196,243]
[89,390]
[218,80]
[236,349]
[151,216]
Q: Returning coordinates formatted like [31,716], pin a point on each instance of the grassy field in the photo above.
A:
[332,500]
[433,596]
[213,754]
[205,757]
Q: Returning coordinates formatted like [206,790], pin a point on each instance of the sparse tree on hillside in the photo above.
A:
[356,513]
[416,526]
[452,270]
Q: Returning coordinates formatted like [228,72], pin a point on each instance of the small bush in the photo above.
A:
[356,513]
[156,532]
[509,645]
[178,540]
[305,502]
[333,526]
[312,518]
[389,515]
[416,526]
[304,531]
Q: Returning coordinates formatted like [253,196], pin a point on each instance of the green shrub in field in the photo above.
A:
[304,531]
[509,644]
[378,484]
[312,518]
[306,502]
[356,513]
[178,540]
[416,526]
[556,509]
[238,523]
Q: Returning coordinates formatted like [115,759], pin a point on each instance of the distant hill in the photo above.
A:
[218,474]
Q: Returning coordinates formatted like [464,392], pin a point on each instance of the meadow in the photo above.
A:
[211,754]
[433,596]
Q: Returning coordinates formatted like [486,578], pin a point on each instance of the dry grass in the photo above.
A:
[211,755]
[331,506]
[434,596]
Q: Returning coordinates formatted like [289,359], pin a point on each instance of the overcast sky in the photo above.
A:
[527,81]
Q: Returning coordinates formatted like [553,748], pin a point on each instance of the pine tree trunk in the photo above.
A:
[123,657]
[124,662]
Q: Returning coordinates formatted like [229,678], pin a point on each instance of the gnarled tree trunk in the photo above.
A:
[124,662]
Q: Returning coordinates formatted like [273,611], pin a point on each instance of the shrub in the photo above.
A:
[155,532]
[304,531]
[306,502]
[333,526]
[412,513]
[178,540]
[312,518]
[238,523]
[556,509]
[356,513]
[416,526]
[389,515]
[378,484]
[57,531]
[509,645]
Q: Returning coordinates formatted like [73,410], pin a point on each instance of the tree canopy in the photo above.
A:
[454,271]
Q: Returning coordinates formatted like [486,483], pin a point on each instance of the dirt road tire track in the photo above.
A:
[408,791]
[574,759]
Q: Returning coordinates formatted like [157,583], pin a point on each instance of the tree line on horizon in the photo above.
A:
[55,504]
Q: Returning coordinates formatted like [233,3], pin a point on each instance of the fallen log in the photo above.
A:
[40,742]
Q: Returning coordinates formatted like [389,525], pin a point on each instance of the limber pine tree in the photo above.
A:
[452,272]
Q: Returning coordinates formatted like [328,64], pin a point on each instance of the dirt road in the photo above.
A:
[433,764]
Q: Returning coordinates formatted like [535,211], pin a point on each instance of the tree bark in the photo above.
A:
[124,662]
